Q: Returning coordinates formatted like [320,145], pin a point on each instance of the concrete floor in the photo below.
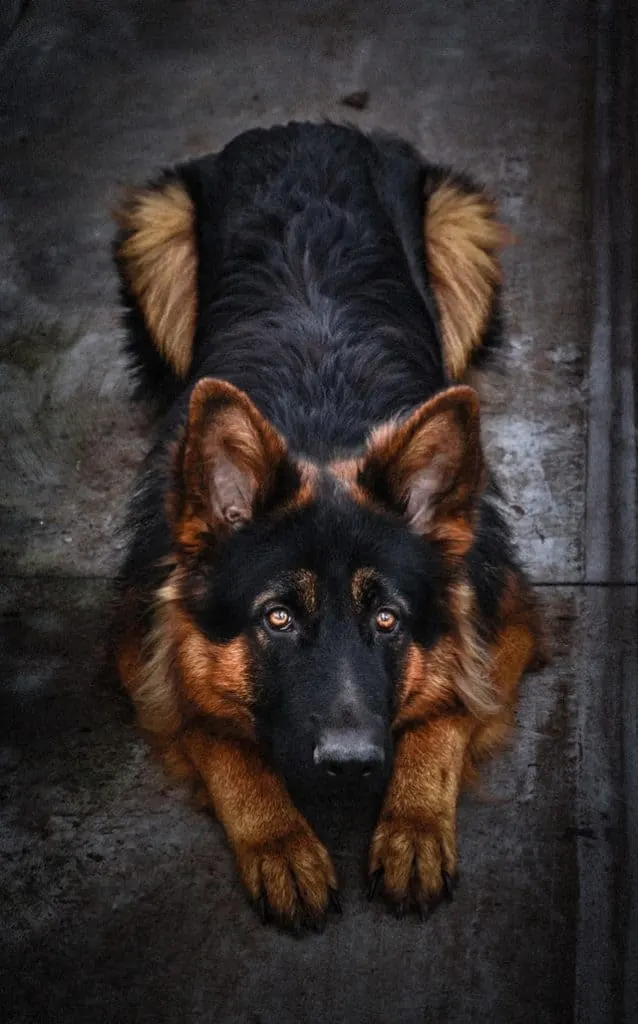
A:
[119,900]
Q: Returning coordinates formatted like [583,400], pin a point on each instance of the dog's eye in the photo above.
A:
[386,621]
[279,619]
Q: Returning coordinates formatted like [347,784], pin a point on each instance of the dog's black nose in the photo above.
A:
[350,753]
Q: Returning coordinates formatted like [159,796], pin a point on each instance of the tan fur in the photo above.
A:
[510,657]
[360,583]
[521,645]
[277,852]
[159,259]
[414,842]
[415,838]
[462,240]
[303,582]
[456,666]
[177,679]
[307,491]
[471,678]
[345,471]
[174,673]
[518,606]
[306,584]
[146,664]
[154,689]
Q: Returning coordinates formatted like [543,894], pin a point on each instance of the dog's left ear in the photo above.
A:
[430,468]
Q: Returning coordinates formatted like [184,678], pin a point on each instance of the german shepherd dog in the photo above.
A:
[319,585]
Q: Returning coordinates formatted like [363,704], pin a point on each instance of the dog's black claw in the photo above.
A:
[399,909]
[448,886]
[318,924]
[262,908]
[295,926]
[373,883]
[335,902]
[424,911]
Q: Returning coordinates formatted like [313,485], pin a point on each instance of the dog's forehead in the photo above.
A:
[328,552]
[336,545]
[337,535]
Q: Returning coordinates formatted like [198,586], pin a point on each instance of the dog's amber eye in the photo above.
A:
[386,620]
[279,618]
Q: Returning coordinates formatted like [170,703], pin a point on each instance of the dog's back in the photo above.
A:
[308,302]
[296,269]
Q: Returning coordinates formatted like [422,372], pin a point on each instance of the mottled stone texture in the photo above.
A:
[119,899]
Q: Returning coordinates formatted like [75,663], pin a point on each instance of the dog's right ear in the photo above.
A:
[430,468]
[156,252]
[231,465]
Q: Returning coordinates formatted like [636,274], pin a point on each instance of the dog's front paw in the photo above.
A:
[290,877]
[413,862]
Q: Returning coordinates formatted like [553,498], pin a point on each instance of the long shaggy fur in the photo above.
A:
[314,549]
[463,239]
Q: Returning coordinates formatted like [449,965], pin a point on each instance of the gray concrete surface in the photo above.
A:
[119,900]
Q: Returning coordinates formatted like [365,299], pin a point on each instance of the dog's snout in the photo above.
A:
[351,753]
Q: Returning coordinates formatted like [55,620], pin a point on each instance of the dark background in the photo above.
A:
[118,900]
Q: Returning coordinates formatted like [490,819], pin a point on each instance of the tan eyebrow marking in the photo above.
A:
[360,582]
[302,581]
[305,583]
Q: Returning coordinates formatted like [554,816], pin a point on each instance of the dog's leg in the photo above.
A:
[414,845]
[284,867]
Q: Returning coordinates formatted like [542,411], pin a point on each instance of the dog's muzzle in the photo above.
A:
[352,753]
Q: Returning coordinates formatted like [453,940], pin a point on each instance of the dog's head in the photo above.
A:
[324,608]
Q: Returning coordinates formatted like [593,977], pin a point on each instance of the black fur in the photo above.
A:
[313,298]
